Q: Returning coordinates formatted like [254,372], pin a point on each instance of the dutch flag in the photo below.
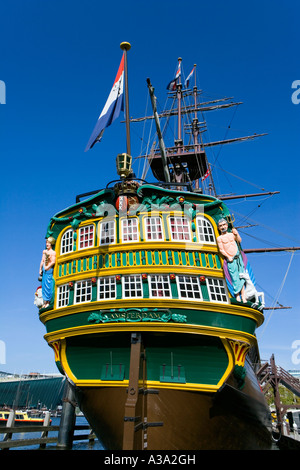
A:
[172,85]
[187,81]
[112,108]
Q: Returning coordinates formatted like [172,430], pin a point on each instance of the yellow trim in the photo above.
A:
[208,272]
[151,303]
[64,362]
[150,326]
[138,246]
[148,383]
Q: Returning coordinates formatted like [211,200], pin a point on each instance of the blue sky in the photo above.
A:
[59,60]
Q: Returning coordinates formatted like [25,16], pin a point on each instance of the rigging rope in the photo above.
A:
[266,227]
[278,294]
[238,177]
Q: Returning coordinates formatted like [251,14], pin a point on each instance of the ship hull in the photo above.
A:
[144,326]
[181,420]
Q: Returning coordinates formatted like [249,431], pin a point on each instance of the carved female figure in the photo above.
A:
[46,270]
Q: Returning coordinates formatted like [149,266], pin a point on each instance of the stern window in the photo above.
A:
[216,290]
[62,296]
[189,287]
[132,286]
[153,229]
[66,244]
[205,231]
[86,237]
[130,230]
[159,286]
[107,288]
[83,291]
[107,232]
[179,228]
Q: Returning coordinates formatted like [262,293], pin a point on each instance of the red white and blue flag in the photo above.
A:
[172,85]
[112,108]
[206,175]
[187,81]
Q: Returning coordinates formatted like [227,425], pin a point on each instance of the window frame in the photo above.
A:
[91,245]
[137,277]
[135,225]
[87,281]
[209,225]
[151,296]
[210,293]
[101,223]
[186,276]
[176,226]
[63,294]
[146,231]
[68,244]
[105,279]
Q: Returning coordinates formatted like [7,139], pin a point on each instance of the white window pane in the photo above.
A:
[159,286]
[179,228]
[205,231]
[62,296]
[130,230]
[217,290]
[83,291]
[132,286]
[189,287]
[107,232]
[66,244]
[107,288]
[86,237]
[153,229]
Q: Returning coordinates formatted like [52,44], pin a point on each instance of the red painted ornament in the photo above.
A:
[122,203]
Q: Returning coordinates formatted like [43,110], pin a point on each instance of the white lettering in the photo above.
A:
[2,92]
[115,460]
[296,354]
[296,94]
[2,353]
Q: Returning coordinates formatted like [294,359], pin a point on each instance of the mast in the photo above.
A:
[158,130]
[179,95]
[125,46]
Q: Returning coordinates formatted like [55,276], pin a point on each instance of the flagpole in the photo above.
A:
[125,46]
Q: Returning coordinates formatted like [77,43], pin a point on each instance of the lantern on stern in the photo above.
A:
[124,165]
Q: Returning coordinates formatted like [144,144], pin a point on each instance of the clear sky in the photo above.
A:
[58,61]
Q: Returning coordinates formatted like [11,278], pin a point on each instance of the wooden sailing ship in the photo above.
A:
[145,318]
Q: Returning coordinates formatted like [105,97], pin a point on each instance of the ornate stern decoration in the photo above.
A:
[240,350]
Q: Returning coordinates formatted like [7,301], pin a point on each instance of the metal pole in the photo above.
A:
[125,46]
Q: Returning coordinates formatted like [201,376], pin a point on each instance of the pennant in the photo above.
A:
[112,108]
[172,85]
[205,175]
[187,81]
